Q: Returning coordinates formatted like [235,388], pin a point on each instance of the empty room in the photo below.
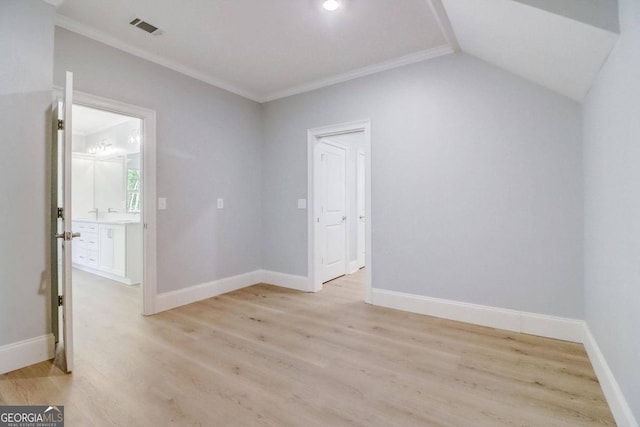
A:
[320,213]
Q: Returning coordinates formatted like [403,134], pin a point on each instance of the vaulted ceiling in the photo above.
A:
[267,49]
[563,52]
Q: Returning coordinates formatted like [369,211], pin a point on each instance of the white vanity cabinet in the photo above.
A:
[112,248]
[109,249]
[85,247]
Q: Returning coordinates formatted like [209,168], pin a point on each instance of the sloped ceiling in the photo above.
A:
[559,52]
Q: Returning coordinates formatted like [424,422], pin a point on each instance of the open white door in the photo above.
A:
[331,166]
[62,233]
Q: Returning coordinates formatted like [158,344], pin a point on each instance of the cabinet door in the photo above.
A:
[119,250]
[106,247]
[112,249]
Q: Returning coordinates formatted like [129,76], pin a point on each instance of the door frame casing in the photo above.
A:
[359,152]
[313,138]
[148,214]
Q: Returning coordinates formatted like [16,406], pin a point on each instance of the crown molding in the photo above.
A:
[412,58]
[438,10]
[84,30]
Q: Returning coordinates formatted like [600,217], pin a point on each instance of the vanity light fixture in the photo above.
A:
[103,147]
[331,5]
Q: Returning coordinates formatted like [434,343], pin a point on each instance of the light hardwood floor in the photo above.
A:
[271,356]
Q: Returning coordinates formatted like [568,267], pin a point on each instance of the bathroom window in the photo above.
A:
[133,190]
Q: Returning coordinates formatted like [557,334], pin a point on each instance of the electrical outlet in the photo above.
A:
[220,203]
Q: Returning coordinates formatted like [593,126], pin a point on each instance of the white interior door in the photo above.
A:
[63,234]
[360,208]
[331,164]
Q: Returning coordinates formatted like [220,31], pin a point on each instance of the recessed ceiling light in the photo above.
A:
[331,4]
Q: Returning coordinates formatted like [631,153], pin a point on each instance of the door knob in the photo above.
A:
[361,217]
[344,218]
[67,235]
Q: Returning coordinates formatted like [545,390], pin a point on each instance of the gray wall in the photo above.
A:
[476,183]
[612,207]
[25,99]
[209,146]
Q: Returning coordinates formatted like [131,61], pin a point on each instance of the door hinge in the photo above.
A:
[61,213]
[60,124]
[60,300]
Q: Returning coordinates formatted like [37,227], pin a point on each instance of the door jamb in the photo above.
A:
[313,137]
[148,214]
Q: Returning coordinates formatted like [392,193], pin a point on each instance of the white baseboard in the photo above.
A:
[617,402]
[28,352]
[544,325]
[511,320]
[173,299]
[299,283]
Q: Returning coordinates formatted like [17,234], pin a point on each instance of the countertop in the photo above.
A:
[108,221]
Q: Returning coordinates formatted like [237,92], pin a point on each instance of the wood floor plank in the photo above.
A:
[268,356]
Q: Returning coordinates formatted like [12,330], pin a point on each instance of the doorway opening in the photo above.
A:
[339,193]
[127,145]
[113,188]
[107,196]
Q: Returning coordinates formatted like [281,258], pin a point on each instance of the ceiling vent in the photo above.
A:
[145,26]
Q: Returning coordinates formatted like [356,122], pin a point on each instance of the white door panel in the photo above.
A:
[331,165]
[335,180]
[335,249]
[62,225]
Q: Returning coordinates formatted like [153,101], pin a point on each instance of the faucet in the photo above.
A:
[95,211]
